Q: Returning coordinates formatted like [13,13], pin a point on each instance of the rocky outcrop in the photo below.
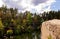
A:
[50,29]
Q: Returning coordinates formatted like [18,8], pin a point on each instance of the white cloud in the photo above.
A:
[44,6]
[1,3]
[24,5]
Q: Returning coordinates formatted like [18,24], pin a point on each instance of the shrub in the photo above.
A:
[50,37]
[9,32]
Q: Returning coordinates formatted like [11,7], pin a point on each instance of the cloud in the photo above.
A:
[30,5]
[1,3]
[36,2]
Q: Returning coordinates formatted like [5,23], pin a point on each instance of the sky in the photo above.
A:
[33,6]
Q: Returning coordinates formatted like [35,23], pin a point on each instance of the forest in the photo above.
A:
[14,23]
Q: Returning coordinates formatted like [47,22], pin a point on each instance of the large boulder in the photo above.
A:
[50,29]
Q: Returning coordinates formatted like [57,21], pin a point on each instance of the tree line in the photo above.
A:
[14,23]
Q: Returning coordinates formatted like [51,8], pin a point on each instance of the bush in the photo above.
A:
[9,32]
[50,37]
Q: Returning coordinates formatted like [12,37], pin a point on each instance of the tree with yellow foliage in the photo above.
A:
[1,25]
[1,28]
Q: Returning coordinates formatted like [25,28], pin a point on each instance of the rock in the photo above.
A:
[50,29]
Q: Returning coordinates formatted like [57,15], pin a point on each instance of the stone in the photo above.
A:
[50,29]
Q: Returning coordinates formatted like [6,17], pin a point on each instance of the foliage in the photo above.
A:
[18,23]
[50,37]
[1,25]
[9,32]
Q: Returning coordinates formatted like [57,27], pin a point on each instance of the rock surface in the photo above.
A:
[50,29]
